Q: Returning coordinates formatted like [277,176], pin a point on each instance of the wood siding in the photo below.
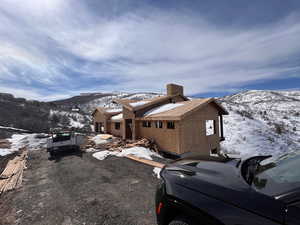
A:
[193,132]
[115,132]
[166,139]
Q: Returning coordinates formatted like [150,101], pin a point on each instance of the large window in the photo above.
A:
[117,125]
[210,127]
[146,123]
[158,124]
[171,125]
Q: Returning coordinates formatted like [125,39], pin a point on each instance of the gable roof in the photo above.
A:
[134,105]
[181,110]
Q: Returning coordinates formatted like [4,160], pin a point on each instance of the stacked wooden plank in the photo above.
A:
[12,175]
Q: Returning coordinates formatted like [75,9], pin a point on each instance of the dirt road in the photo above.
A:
[78,189]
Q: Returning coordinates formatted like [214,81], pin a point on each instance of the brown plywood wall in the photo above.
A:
[193,131]
[166,139]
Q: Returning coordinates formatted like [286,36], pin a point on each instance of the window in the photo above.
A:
[158,124]
[210,127]
[146,123]
[171,125]
[117,126]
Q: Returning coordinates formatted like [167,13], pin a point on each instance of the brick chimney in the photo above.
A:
[174,89]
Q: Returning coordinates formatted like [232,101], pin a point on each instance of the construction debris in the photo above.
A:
[12,175]
[117,144]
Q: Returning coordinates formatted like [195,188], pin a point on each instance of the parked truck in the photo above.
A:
[64,141]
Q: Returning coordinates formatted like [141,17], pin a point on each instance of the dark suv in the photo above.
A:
[261,190]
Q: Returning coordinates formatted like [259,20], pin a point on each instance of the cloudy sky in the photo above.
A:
[52,49]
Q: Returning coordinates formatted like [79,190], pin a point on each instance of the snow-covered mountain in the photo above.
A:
[259,122]
[107,101]
[262,122]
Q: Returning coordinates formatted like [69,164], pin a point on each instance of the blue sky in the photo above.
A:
[53,49]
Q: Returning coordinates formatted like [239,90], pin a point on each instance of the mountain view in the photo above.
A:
[264,122]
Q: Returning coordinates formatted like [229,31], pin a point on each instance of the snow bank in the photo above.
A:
[163,108]
[31,141]
[140,152]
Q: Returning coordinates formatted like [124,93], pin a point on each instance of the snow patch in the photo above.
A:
[156,172]
[163,108]
[139,152]
[99,140]
[30,141]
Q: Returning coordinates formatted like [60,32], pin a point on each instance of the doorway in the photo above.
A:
[128,130]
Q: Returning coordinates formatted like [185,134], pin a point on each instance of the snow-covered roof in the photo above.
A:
[134,104]
[163,108]
[176,111]
[117,117]
[113,110]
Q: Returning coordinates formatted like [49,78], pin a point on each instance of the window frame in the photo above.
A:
[213,127]
[146,123]
[159,124]
[171,125]
[117,125]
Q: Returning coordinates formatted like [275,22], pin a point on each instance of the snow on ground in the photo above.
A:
[117,117]
[31,141]
[98,139]
[73,119]
[156,172]
[139,152]
[135,104]
[163,108]
[262,123]
[76,124]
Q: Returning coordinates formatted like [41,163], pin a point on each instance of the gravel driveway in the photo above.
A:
[78,189]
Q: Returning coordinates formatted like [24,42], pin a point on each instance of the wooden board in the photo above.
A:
[146,161]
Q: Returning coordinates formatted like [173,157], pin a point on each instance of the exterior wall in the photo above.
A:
[100,118]
[193,132]
[166,139]
[115,132]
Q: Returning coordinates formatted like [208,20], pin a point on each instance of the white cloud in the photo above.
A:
[141,50]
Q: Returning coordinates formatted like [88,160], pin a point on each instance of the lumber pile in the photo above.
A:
[12,175]
[4,143]
[117,144]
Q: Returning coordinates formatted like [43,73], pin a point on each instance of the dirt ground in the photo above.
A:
[79,189]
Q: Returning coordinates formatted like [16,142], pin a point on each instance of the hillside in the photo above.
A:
[259,122]
[36,116]
[265,122]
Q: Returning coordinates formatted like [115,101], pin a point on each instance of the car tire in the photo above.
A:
[181,221]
